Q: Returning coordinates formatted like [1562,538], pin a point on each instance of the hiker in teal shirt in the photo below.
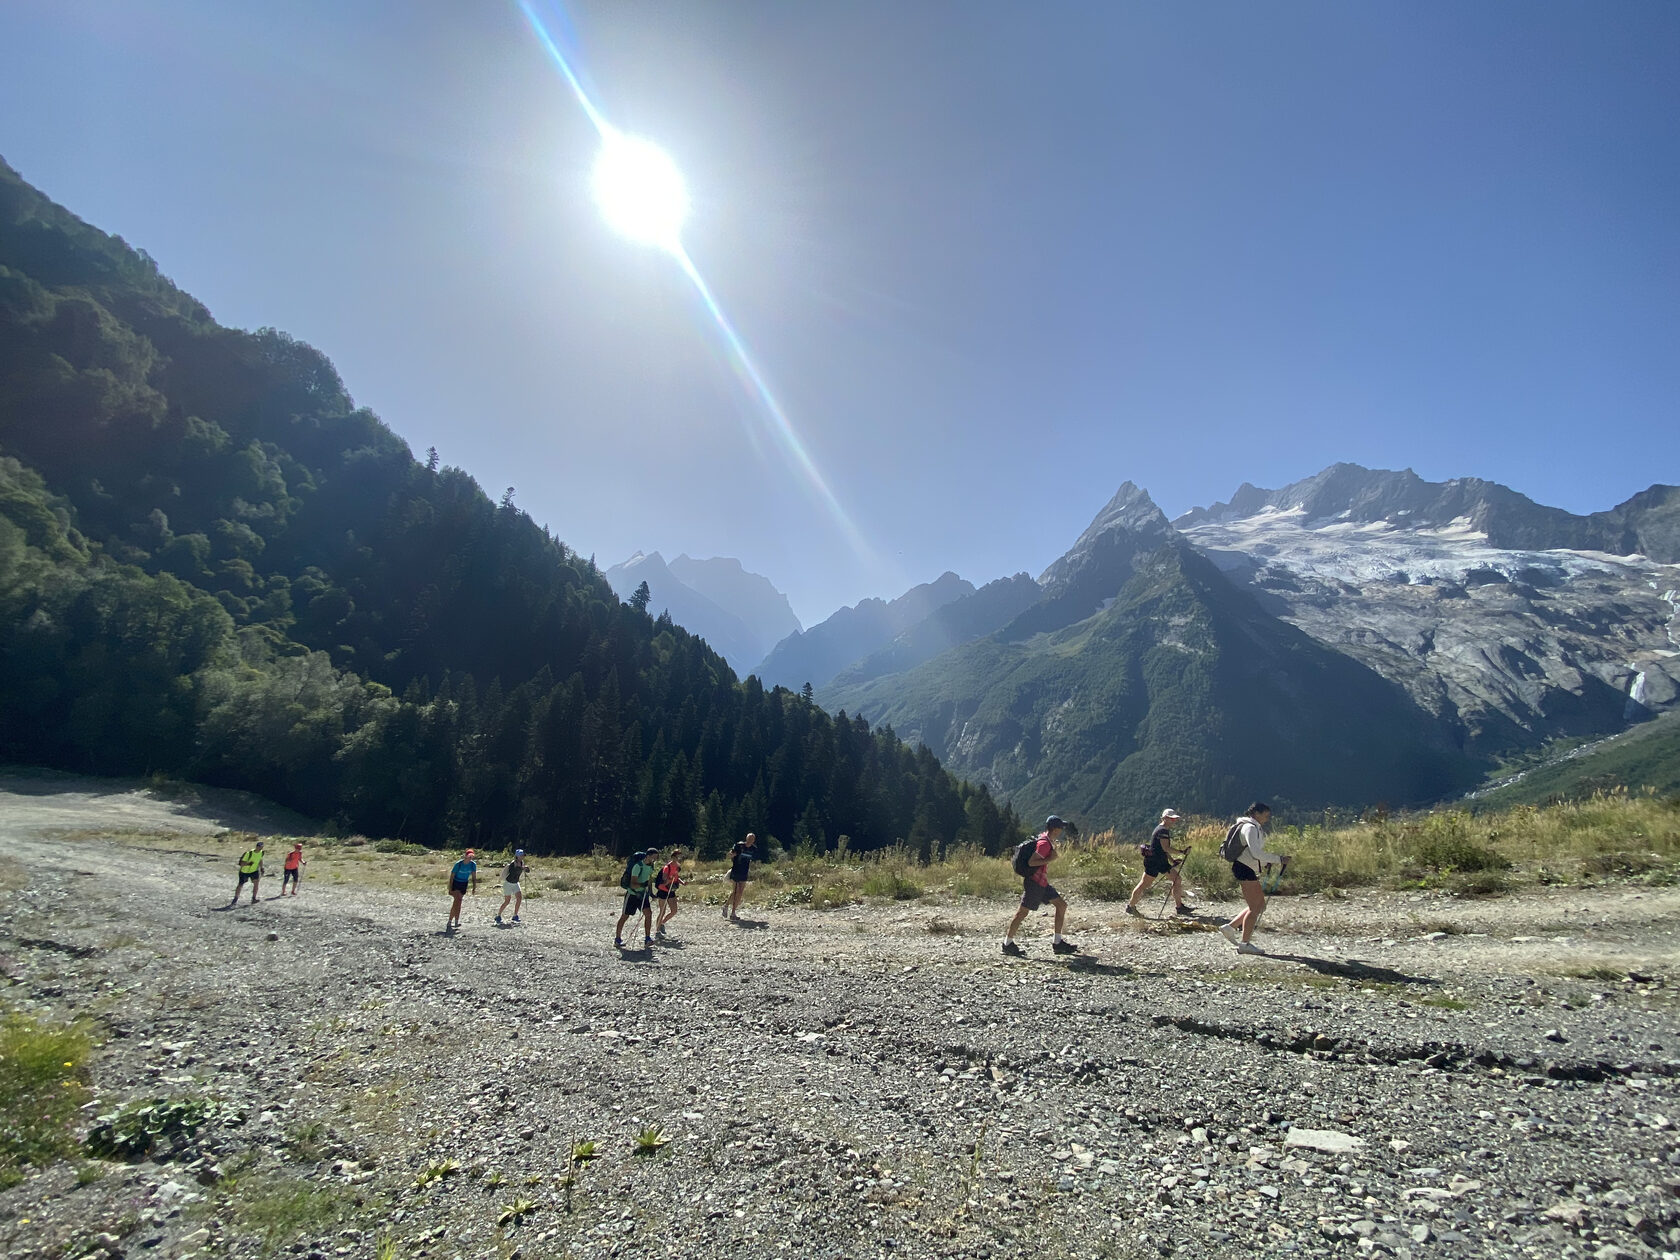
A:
[461,874]
[638,898]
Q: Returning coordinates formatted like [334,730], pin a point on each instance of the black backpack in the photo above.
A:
[630,865]
[1023,852]
[1235,846]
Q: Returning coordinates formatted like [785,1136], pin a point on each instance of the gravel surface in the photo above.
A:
[1404,1075]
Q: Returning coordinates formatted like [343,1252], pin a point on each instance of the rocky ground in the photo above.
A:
[1404,1075]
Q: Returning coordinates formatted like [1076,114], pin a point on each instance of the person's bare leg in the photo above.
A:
[1178,889]
[1137,893]
[255,884]
[647,922]
[1015,923]
[1061,914]
[1256,903]
[518,900]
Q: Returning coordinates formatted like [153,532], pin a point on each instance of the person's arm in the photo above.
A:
[1044,859]
[1257,847]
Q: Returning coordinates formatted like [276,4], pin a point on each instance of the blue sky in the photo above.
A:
[994,258]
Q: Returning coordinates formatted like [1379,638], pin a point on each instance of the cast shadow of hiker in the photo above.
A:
[1353,969]
[636,954]
[1087,965]
[751,924]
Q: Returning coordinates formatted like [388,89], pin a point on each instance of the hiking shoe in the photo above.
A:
[647,942]
[498,920]
[1064,947]
[1133,910]
[1014,950]
[1186,910]
[516,918]
[618,942]
[1249,947]
[1230,934]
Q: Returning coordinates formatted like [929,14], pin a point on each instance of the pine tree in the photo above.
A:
[639,598]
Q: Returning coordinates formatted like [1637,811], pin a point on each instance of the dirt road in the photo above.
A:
[1497,1078]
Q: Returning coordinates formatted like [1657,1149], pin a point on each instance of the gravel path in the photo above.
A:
[867,1082]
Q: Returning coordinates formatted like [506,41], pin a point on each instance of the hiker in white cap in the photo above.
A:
[510,885]
[1160,858]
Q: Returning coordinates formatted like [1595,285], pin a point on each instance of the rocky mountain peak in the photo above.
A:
[1130,513]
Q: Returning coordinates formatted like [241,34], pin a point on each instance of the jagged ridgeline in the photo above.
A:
[213,564]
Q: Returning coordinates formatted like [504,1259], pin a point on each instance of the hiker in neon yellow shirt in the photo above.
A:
[250,868]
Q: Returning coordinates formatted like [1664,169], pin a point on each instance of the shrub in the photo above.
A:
[43,1084]
[893,883]
[1108,888]
[831,894]
[1444,843]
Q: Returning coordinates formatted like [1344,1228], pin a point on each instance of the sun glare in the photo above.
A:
[640,191]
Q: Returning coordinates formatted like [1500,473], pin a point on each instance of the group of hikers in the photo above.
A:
[1244,848]
[647,880]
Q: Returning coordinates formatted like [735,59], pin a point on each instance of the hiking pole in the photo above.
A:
[1269,885]
[1161,912]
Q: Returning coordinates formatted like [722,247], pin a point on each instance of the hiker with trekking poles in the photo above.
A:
[1160,858]
[1245,849]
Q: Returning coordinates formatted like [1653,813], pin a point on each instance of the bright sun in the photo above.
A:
[640,191]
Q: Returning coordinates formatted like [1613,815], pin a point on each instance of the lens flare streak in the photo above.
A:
[781,427]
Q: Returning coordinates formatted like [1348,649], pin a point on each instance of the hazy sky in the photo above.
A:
[994,258]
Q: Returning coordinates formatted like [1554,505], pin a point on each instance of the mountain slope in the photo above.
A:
[816,655]
[213,564]
[752,597]
[989,609]
[1181,691]
[722,630]
[1644,758]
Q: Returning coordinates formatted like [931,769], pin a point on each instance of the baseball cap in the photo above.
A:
[519,853]
[1169,813]
[470,853]
[1053,821]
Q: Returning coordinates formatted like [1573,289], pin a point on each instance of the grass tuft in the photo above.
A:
[43,1085]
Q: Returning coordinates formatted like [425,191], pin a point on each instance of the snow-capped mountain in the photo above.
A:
[1511,621]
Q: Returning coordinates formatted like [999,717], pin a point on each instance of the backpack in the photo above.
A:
[630,865]
[1234,846]
[1023,852]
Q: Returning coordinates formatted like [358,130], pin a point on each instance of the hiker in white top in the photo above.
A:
[1246,864]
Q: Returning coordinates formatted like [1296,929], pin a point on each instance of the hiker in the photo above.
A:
[740,862]
[292,873]
[665,886]
[638,898]
[461,874]
[510,885]
[1245,849]
[1032,863]
[1160,858]
[250,868]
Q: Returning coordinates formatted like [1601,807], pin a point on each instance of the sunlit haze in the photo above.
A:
[918,285]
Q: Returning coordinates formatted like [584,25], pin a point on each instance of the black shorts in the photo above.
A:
[289,875]
[666,894]
[1156,863]
[1244,874]
[1036,895]
[457,888]
[247,877]
[635,902]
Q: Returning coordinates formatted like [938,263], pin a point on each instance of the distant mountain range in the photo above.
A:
[1360,636]
[739,614]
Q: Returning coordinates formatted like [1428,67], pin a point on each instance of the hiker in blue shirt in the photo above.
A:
[462,874]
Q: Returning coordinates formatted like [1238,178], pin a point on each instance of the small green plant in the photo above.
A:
[494,1178]
[140,1126]
[650,1141]
[280,1210]
[307,1143]
[437,1170]
[43,1085]
[386,1248]
[581,1154]
[515,1212]
[87,1174]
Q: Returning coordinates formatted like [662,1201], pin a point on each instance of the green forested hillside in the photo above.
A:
[1182,692]
[1647,757]
[213,564]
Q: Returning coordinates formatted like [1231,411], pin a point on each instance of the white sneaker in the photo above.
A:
[1230,934]
[1249,947]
